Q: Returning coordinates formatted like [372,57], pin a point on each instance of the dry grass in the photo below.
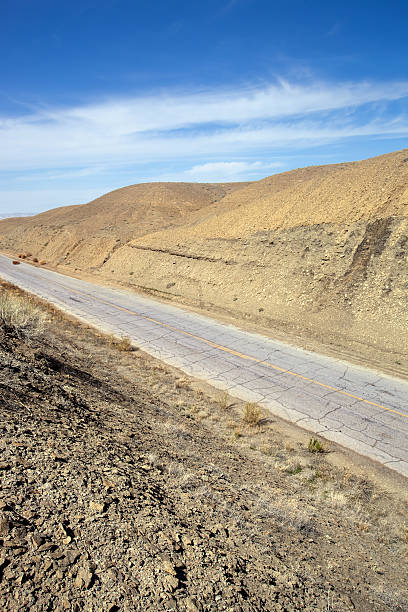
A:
[182,383]
[122,344]
[253,415]
[20,317]
[315,446]
[224,401]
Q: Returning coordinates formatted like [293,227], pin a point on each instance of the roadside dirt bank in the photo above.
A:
[127,486]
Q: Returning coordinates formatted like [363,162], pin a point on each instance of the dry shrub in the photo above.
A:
[20,255]
[315,446]
[16,262]
[224,401]
[252,415]
[182,383]
[42,262]
[19,317]
[35,259]
[122,344]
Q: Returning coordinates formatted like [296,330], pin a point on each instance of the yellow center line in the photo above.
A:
[235,353]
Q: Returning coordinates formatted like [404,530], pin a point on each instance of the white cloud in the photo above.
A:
[209,135]
[174,126]
[229,171]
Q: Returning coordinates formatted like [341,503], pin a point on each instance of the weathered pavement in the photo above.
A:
[361,409]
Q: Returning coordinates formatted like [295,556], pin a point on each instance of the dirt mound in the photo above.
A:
[318,254]
[123,488]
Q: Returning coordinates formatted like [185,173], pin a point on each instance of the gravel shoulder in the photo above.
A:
[127,486]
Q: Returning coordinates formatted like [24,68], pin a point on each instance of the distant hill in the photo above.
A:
[14,214]
[319,252]
[86,233]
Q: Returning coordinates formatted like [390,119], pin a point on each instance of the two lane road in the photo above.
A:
[361,409]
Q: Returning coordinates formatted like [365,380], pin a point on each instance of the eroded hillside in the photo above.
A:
[319,253]
[85,235]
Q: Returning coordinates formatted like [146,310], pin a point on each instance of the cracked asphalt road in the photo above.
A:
[361,409]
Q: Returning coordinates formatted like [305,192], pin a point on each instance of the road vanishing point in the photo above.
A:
[361,409]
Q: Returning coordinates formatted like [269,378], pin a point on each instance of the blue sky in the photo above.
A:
[95,95]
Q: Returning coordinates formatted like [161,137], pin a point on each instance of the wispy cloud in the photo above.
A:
[173,125]
[229,171]
[218,133]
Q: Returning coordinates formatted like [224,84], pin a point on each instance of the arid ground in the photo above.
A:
[127,486]
[317,255]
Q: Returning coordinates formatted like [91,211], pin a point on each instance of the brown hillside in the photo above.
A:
[342,193]
[86,233]
[318,253]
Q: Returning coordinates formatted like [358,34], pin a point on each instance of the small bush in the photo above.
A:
[21,318]
[315,446]
[16,262]
[224,401]
[182,383]
[20,255]
[252,415]
[294,470]
[122,344]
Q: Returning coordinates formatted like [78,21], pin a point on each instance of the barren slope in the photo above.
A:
[319,253]
[123,488]
[84,235]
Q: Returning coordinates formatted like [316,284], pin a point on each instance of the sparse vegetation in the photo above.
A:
[20,317]
[182,383]
[294,470]
[225,401]
[122,344]
[315,446]
[253,415]
[152,481]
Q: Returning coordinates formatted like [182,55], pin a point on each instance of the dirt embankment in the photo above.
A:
[123,487]
[319,253]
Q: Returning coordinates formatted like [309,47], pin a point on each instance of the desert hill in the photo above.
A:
[318,253]
[343,193]
[86,233]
